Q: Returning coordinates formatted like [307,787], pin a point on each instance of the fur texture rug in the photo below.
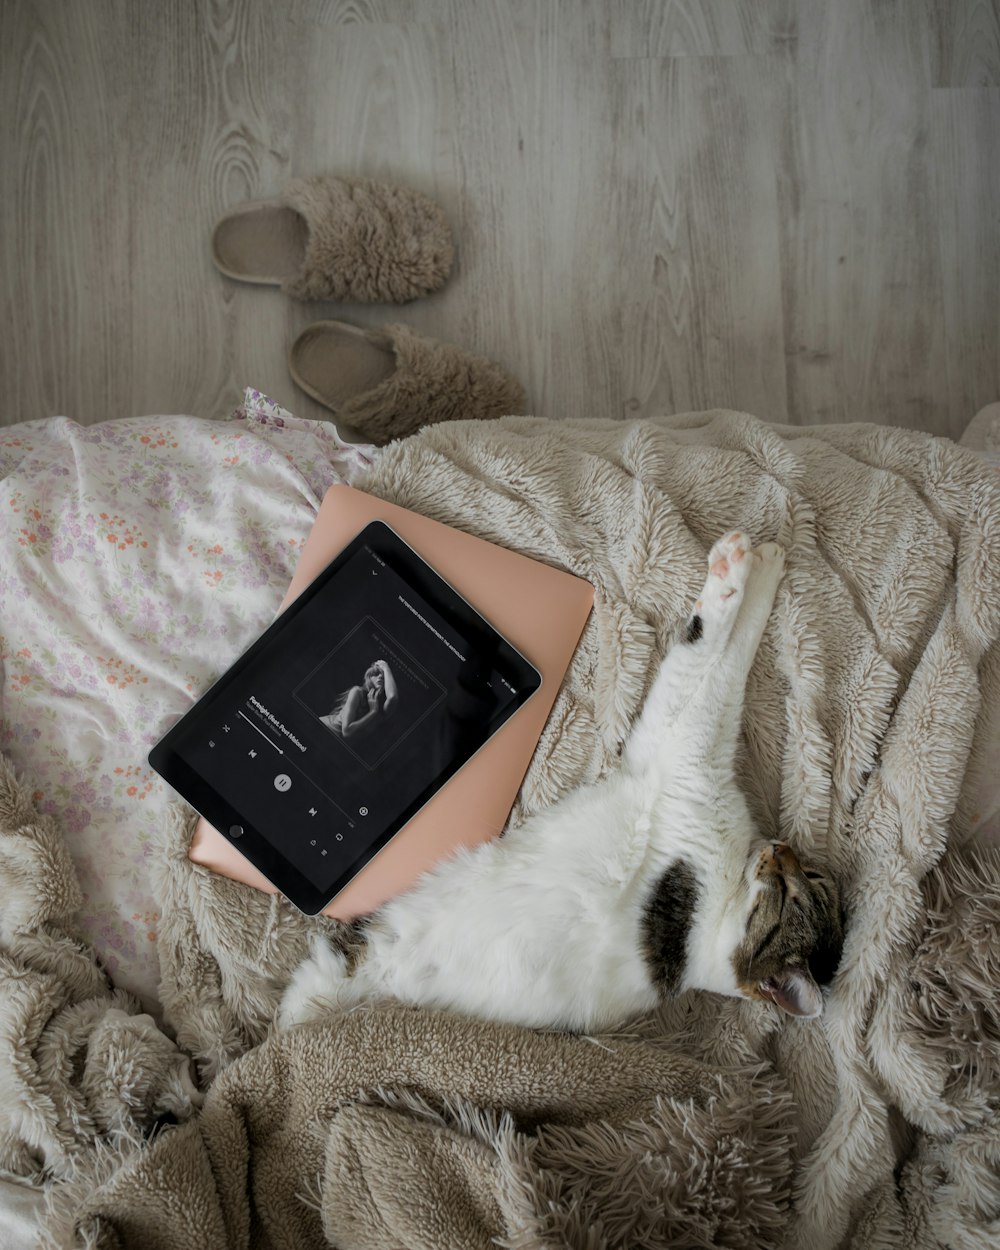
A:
[713,1122]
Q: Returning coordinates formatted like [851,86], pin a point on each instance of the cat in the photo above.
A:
[647,883]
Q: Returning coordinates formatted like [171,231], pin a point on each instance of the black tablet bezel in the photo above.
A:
[252,844]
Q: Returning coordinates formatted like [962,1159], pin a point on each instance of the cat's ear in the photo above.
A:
[794,990]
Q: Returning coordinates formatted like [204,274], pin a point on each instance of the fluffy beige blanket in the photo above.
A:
[714,1122]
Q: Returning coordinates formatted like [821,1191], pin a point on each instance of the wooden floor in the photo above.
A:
[790,207]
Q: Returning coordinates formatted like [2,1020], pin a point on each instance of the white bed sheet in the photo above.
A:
[138,559]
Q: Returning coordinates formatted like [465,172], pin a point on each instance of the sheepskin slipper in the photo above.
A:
[338,239]
[388,383]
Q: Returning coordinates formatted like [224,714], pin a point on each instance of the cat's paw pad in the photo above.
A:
[729,563]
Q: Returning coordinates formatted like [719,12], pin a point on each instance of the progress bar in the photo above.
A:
[261,732]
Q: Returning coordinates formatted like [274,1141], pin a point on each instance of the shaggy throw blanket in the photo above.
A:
[714,1122]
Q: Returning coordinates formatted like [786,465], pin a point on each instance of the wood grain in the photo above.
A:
[967,219]
[783,206]
[864,334]
[699,245]
[670,28]
[967,43]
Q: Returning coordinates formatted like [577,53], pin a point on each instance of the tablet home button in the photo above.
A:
[236,831]
[282,782]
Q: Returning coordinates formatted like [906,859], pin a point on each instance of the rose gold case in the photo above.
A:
[540,610]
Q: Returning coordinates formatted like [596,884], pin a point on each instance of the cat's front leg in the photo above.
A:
[766,571]
[704,640]
[712,618]
[718,716]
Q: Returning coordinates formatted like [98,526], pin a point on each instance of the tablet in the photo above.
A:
[339,723]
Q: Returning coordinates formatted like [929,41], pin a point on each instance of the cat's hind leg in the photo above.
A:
[767,569]
[320,984]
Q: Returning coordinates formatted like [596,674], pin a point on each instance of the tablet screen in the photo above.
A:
[342,720]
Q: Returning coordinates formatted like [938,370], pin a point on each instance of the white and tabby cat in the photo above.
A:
[647,883]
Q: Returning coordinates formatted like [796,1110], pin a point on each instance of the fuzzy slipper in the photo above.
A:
[338,239]
[388,383]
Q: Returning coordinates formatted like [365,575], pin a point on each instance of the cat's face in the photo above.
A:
[794,932]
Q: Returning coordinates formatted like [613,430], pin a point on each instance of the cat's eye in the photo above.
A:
[813,876]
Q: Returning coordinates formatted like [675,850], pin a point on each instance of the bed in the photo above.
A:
[141,556]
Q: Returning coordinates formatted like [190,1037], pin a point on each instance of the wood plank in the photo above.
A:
[534,133]
[965,154]
[864,335]
[668,28]
[699,240]
[787,206]
[967,43]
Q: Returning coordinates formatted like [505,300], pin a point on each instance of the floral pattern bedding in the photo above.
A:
[138,559]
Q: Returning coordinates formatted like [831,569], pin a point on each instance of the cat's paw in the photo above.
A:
[728,558]
[769,553]
[313,990]
[729,564]
[769,564]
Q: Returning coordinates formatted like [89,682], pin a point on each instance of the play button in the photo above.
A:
[282,782]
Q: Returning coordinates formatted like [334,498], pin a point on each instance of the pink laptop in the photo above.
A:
[540,610]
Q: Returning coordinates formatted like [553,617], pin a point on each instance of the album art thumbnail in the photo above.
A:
[369,692]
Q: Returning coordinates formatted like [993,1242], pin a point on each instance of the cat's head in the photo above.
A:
[794,932]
